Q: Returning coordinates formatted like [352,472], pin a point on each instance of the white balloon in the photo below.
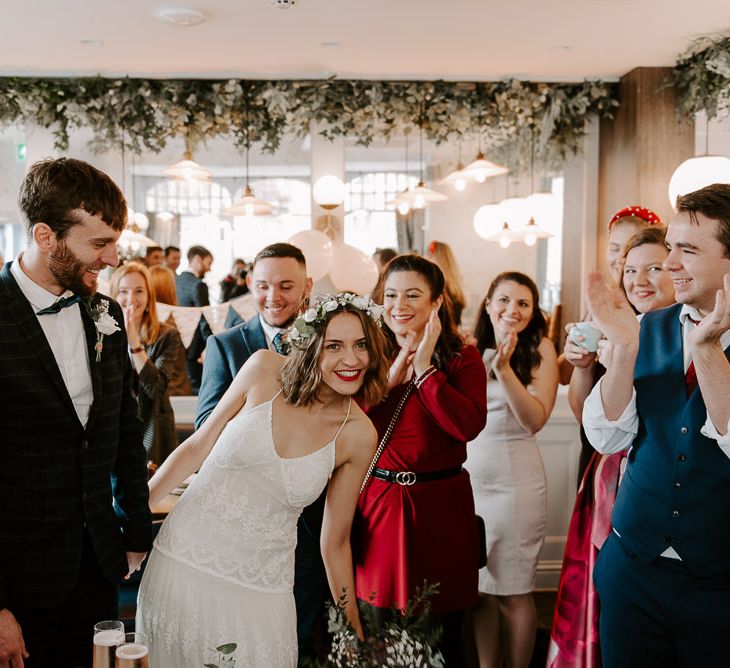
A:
[317,249]
[353,270]
[488,220]
[697,173]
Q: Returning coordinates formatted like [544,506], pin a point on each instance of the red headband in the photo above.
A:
[432,248]
[637,211]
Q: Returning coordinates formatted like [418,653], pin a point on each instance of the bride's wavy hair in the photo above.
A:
[301,375]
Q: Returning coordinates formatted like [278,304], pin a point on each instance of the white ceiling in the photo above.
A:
[558,40]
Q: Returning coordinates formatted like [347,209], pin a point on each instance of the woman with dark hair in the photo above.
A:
[222,568]
[416,521]
[506,467]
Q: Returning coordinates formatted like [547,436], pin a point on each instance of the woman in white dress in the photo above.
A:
[222,569]
[506,469]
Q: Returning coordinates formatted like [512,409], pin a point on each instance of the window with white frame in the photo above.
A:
[369,222]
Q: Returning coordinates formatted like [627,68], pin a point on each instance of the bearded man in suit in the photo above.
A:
[74,515]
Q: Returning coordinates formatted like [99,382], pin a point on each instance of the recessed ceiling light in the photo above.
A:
[330,45]
[284,4]
[561,48]
[91,42]
[181,16]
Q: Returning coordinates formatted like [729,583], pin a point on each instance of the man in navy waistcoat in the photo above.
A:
[663,575]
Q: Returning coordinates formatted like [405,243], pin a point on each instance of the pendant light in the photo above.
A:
[481,169]
[248,205]
[457,178]
[532,231]
[187,169]
[401,201]
[421,196]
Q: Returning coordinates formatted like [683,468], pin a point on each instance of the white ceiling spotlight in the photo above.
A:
[183,17]
[283,4]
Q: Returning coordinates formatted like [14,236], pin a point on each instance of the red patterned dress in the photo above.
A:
[406,534]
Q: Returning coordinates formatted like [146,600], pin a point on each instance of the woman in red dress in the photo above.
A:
[420,525]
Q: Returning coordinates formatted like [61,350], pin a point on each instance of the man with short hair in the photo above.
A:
[192,291]
[71,447]
[172,258]
[663,575]
[280,287]
[153,256]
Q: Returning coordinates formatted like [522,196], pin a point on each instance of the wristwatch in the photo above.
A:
[136,350]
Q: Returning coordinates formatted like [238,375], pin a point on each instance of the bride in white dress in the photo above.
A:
[222,568]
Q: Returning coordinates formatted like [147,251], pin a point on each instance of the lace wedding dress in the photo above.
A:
[222,568]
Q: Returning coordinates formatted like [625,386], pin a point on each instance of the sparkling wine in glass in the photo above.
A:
[107,635]
[133,653]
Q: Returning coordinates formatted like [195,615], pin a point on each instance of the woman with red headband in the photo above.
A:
[574,637]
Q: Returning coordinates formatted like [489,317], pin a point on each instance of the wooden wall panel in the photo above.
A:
[640,148]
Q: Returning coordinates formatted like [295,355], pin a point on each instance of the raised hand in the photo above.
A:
[427,344]
[133,337]
[611,311]
[399,368]
[504,353]
[714,324]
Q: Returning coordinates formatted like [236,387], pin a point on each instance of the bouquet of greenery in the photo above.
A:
[407,640]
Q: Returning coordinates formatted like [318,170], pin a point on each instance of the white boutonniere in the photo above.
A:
[104,323]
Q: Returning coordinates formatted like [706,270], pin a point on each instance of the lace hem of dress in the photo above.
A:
[280,588]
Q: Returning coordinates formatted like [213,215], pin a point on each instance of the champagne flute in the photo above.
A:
[107,635]
[133,653]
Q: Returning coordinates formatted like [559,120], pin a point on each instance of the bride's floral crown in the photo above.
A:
[314,317]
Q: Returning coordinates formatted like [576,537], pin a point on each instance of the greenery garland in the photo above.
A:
[702,75]
[514,119]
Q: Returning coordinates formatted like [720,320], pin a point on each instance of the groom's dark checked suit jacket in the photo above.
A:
[56,475]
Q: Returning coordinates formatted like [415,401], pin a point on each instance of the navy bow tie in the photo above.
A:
[59,304]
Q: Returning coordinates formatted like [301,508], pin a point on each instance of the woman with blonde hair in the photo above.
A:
[163,281]
[441,253]
[157,354]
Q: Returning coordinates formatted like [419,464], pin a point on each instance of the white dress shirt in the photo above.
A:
[67,338]
[610,436]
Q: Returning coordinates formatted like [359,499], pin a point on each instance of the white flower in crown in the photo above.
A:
[305,326]
[310,315]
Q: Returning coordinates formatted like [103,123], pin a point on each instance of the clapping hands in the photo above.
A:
[714,324]
[611,311]
[504,353]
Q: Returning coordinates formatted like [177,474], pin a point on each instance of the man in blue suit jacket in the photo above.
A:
[663,575]
[192,291]
[279,284]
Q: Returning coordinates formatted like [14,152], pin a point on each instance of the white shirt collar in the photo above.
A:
[38,296]
[688,311]
[691,312]
[269,330]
